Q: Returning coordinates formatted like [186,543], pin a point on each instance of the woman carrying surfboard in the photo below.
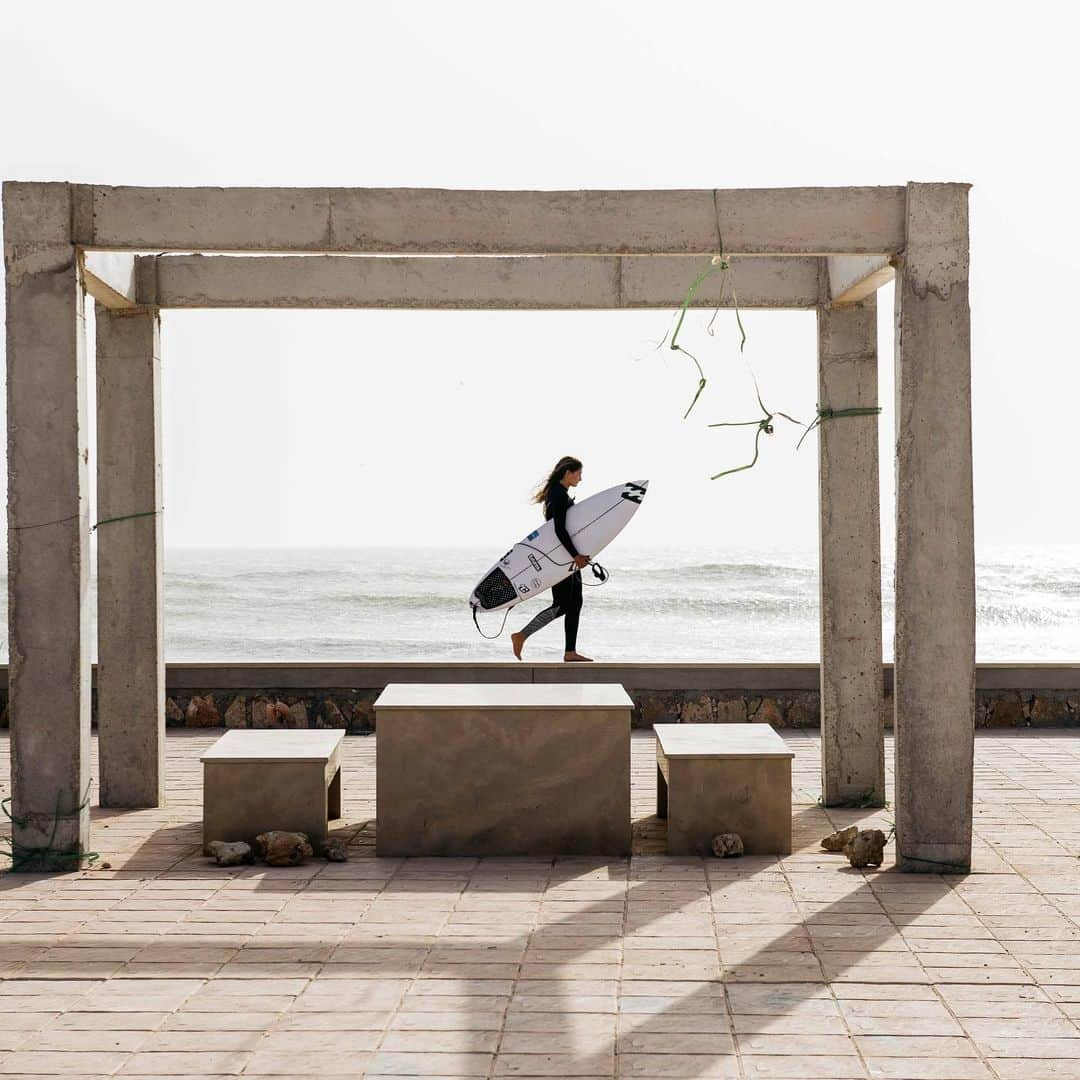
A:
[566,595]
[548,558]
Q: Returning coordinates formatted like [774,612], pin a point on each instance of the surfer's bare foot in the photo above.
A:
[517,640]
[576,658]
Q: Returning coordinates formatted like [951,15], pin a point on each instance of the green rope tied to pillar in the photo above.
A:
[125,517]
[46,856]
[835,414]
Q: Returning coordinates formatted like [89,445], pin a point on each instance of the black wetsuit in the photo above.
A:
[566,595]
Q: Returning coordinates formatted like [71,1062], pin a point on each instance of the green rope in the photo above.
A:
[738,317]
[722,264]
[764,427]
[48,856]
[676,347]
[835,414]
[125,517]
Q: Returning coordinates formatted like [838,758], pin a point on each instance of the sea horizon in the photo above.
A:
[694,604]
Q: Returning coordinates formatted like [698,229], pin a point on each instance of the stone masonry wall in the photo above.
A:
[353,709]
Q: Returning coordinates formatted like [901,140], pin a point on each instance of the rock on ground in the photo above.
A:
[838,840]
[334,849]
[227,853]
[867,849]
[727,844]
[236,713]
[768,712]
[283,848]
[202,712]
[330,715]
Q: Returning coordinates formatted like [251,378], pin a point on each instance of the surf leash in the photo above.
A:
[836,414]
[599,572]
[506,615]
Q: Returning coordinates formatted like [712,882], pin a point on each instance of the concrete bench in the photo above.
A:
[714,778]
[522,769]
[254,781]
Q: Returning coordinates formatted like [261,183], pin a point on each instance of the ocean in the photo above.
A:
[687,604]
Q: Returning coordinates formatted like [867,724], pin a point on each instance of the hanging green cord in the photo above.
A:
[764,427]
[738,317]
[722,264]
[834,414]
[46,855]
[125,517]
[675,346]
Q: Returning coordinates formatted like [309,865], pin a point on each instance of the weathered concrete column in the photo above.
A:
[48,529]
[852,724]
[131,662]
[935,556]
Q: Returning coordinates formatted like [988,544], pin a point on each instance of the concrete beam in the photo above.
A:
[935,550]
[48,529]
[131,660]
[764,221]
[852,278]
[852,723]
[554,282]
[109,277]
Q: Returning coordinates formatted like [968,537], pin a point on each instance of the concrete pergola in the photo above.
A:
[821,249]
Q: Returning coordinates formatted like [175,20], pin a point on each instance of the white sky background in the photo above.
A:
[376,428]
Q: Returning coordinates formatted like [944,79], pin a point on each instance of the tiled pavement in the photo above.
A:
[157,963]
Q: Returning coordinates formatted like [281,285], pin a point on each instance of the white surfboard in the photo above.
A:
[540,561]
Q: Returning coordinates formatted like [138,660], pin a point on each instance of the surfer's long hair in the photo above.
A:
[565,465]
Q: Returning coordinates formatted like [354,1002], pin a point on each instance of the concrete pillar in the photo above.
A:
[935,556]
[48,528]
[852,723]
[131,663]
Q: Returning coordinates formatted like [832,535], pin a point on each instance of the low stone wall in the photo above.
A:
[272,695]
[354,709]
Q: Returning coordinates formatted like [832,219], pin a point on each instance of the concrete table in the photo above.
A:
[524,769]
[255,781]
[714,778]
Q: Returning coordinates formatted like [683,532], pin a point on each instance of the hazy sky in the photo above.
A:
[343,428]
